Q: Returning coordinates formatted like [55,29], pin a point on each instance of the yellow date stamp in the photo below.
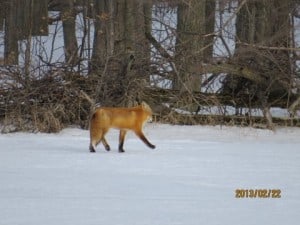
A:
[257,193]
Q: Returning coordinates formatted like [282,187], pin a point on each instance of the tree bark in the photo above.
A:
[68,16]
[189,43]
[11,50]
[103,36]
[40,18]
[3,9]
[210,18]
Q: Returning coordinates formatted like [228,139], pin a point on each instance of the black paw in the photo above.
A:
[92,150]
[152,146]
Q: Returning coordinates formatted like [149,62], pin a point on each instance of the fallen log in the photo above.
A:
[226,120]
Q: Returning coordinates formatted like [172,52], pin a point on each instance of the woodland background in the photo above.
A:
[193,61]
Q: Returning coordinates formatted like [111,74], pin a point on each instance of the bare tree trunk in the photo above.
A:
[68,16]
[210,11]
[103,36]
[189,49]
[11,50]
[121,54]
[3,9]
[189,43]
[31,18]
[40,19]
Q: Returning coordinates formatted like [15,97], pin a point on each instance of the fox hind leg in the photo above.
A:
[95,139]
[104,142]
[106,145]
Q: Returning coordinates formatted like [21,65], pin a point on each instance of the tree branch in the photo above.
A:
[233,70]
[158,46]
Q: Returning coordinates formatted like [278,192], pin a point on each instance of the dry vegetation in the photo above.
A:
[171,65]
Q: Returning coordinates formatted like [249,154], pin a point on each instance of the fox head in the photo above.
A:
[147,109]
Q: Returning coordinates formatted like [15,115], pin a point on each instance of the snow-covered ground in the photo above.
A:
[189,179]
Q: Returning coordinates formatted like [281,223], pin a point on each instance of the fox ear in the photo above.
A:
[144,104]
[146,107]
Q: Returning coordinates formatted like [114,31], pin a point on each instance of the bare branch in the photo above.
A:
[158,46]
[231,69]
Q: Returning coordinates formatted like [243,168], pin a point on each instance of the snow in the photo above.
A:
[189,179]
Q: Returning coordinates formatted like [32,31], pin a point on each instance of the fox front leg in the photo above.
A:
[144,139]
[121,140]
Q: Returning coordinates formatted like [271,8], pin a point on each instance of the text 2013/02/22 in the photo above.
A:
[258,193]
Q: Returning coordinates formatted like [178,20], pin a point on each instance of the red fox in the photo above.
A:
[124,119]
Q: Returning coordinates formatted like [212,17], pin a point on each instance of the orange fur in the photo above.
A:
[123,119]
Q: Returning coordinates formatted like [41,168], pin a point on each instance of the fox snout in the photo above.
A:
[150,119]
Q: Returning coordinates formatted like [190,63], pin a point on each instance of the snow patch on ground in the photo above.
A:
[189,179]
